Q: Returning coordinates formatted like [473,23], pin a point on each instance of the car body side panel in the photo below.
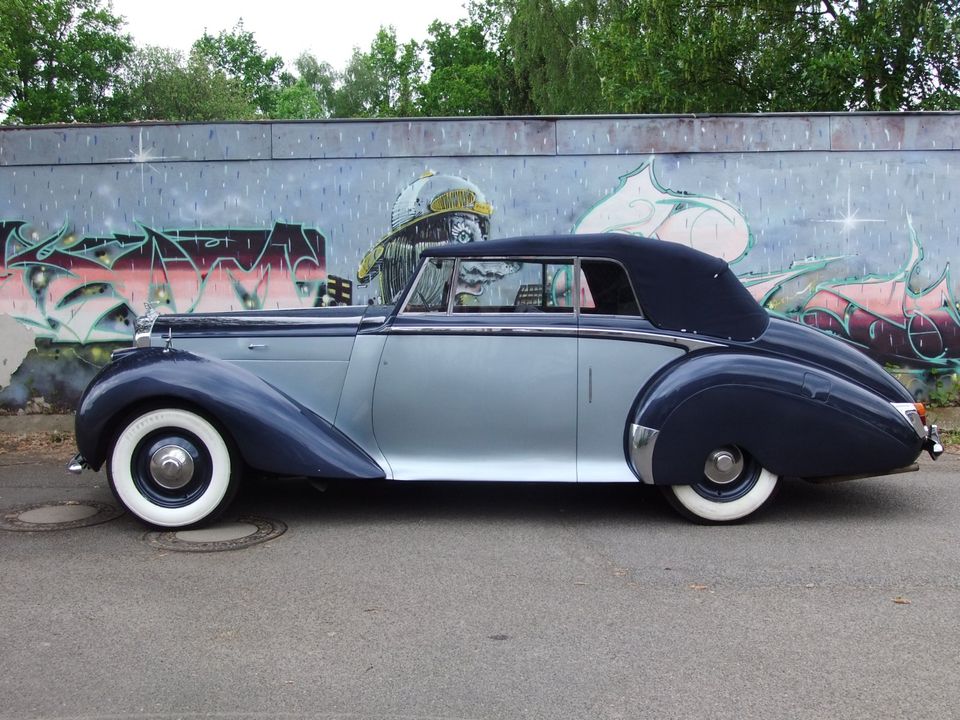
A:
[474,403]
[311,369]
[272,432]
[611,373]
[796,420]
[354,416]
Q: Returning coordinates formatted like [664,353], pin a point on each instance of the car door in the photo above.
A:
[478,376]
[618,351]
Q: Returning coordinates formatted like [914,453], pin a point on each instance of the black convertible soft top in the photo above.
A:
[679,288]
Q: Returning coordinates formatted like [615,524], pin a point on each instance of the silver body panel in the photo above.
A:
[497,407]
[465,402]
[611,374]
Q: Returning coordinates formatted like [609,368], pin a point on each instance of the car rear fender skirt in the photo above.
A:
[796,420]
[273,432]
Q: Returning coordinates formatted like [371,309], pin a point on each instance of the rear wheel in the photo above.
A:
[172,468]
[732,487]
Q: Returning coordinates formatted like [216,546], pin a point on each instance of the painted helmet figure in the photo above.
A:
[432,210]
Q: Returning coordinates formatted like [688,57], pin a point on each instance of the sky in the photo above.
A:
[328,30]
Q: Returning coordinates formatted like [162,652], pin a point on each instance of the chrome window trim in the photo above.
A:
[636,298]
[543,260]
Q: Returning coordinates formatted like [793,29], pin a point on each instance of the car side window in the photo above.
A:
[514,286]
[432,290]
[605,289]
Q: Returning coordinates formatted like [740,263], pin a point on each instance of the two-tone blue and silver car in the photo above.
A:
[589,359]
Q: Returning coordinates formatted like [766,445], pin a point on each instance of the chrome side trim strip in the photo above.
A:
[644,335]
[252,319]
[627,335]
[481,330]
[643,440]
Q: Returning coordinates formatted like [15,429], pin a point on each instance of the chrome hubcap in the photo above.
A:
[171,467]
[723,465]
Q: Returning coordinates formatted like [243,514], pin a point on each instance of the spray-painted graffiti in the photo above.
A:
[642,206]
[894,322]
[432,210]
[885,314]
[90,289]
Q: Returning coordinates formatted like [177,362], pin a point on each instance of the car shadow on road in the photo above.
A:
[298,501]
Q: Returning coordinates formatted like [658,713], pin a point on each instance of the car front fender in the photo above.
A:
[272,431]
[796,420]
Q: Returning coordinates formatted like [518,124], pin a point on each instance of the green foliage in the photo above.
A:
[67,60]
[239,56]
[945,392]
[778,55]
[463,72]
[159,84]
[59,60]
[311,94]
[548,47]
[384,82]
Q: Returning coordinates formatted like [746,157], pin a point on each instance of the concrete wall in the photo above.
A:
[847,222]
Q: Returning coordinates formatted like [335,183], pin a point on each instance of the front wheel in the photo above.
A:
[733,486]
[172,468]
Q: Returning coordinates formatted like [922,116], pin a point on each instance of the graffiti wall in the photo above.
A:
[844,222]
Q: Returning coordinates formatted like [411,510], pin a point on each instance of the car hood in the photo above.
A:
[293,322]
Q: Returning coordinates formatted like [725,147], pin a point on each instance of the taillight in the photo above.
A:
[922,412]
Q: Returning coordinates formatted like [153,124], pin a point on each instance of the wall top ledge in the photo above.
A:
[163,143]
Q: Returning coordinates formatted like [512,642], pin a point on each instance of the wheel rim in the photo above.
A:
[171,468]
[728,475]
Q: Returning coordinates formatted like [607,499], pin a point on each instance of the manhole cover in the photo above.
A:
[64,515]
[241,533]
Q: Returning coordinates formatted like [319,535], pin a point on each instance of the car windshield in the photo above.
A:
[431,292]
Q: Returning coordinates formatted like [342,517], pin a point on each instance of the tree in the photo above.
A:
[384,82]
[310,95]
[903,54]
[160,85]
[463,72]
[238,55]
[777,55]
[547,46]
[59,59]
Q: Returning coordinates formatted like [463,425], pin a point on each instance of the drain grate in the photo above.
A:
[241,533]
[63,515]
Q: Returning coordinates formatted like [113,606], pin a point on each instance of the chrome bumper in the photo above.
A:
[77,464]
[932,442]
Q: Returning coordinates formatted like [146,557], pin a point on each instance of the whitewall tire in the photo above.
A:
[733,486]
[172,468]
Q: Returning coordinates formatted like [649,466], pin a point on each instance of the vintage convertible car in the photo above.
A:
[604,358]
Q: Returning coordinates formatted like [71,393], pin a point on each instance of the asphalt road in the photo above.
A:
[452,601]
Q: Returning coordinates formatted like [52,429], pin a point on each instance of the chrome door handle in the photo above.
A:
[255,346]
